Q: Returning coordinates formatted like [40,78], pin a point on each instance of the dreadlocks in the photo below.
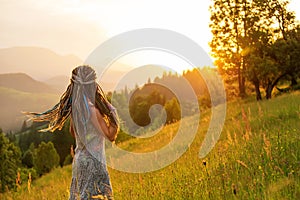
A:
[58,115]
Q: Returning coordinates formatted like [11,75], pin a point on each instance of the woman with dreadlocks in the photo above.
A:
[93,119]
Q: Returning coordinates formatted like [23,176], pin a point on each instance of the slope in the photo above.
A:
[257,157]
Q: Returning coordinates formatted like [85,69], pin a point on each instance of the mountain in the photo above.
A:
[60,83]
[40,63]
[20,92]
[23,82]
[45,65]
[13,102]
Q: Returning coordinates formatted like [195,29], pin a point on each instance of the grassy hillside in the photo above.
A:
[23,82]
[12,102]
[257,157]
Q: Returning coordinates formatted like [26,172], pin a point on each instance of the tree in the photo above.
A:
[27,159]
[173,111]
[231,22]
[245,35]
[24,126]
[62,141]
[10,160]
[28,156]
[280,49]
[46,158]
[275,54]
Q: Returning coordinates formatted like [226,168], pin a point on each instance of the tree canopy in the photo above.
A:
[255,41]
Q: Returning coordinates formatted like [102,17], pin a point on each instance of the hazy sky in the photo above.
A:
[79,26]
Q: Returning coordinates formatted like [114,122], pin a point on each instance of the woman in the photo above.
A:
[93,119]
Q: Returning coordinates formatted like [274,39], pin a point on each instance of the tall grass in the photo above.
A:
[257,157]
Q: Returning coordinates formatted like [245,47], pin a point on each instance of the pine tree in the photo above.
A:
[10,157]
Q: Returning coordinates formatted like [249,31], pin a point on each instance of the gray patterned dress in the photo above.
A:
[90,178]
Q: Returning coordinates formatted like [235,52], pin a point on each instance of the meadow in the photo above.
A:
[256,157]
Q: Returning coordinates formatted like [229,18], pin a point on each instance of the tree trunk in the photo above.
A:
[256,84]
[293,81]
[257,91]
[241,81]
[269,90]
[244,57]
[271,85]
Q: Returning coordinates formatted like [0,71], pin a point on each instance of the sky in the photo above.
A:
[79,26]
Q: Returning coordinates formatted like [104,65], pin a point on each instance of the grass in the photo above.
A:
[54,185]
[257,157]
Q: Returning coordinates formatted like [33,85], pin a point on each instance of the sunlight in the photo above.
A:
[158,57]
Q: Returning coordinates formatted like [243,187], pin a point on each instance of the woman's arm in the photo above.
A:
[101,125]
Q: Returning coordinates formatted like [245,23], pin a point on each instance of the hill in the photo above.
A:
[40,63]
[257,157]
[24,83]
[13,101]
[46,65]
[19,92]
[60,83]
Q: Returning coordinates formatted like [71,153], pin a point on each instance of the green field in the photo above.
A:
[257,157]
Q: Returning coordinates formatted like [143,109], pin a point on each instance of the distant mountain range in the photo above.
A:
[33,78]
[40,63]
[20,92]
[23,82]
[47,66]
[60,83]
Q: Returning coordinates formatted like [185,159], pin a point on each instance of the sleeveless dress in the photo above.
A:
[90,178]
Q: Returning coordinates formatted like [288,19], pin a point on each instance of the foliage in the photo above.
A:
[54,185]
[62,139]
[255,40]
[27,158]
[46,158]
[32,136]
[10,157]
[173,111]
[25,173]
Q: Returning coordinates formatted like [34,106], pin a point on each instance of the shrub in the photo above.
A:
[173,111]
[27,158]
[46,158]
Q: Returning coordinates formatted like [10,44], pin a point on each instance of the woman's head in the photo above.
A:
[83,75]
[83,84]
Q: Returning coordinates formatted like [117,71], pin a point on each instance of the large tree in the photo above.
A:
[246,35]
[231,23]
[274,55]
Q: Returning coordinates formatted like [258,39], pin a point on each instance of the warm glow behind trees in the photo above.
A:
[244,34]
